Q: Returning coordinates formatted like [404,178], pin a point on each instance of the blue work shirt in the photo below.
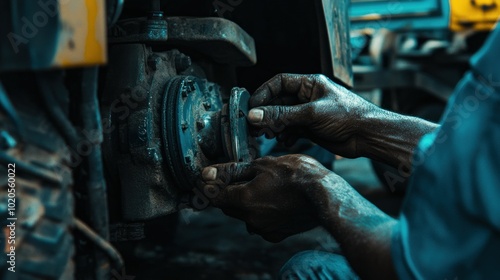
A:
[450,222]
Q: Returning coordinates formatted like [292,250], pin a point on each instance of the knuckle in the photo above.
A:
[223,176]
[280,113]
[264,160]
[269,115]
[270,120]
[277,118]
[281,76]
[320,77]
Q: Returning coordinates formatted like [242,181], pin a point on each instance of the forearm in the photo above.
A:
[391,138]
[363,231]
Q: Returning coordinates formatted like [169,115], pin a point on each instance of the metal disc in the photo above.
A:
[187,104]
[238,125]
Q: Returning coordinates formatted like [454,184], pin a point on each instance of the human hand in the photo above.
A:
[290,106]
[269,194]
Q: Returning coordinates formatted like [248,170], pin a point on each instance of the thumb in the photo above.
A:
[227,173]
[278,118]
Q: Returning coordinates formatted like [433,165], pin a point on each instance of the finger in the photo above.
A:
[231,197]
[277,118]
[283,86]
[228,173]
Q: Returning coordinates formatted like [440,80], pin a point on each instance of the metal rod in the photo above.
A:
[101,243]
[47,83]
[96,186]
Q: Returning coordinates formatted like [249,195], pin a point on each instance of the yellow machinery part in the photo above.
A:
[480,15]
[83,36]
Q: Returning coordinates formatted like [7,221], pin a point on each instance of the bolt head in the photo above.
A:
[200,124]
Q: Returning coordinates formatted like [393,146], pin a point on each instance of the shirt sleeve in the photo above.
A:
[449,226]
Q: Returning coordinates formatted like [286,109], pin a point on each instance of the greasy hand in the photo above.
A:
[269,194]
[290,106]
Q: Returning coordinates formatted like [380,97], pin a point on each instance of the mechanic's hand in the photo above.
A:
[269,194]
[290,106]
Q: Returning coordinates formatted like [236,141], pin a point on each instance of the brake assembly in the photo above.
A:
[199,130]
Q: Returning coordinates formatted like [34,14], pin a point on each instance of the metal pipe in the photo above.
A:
[101,243]
[49,83]
[96,186]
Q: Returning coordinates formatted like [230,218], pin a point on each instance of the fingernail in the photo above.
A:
[209,173]
[256,115]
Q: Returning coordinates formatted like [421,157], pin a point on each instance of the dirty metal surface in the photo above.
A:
[198,130]
[241,144]
[138,182]
[190,111]
[222,40]
[139,30]
[161,128]
[334,29]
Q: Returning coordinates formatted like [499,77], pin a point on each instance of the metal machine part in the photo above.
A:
[219,38]
[198,130]
[162,126]
[114,9]
[240,148]
[163,119]
[189,109]
[334,40]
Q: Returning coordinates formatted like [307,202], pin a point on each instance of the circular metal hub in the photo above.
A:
[198,130]
[189,122]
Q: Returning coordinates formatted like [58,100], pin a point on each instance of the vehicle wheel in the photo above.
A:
[43,196]
[43,241]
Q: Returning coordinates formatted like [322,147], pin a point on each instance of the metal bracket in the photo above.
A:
[222,40]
